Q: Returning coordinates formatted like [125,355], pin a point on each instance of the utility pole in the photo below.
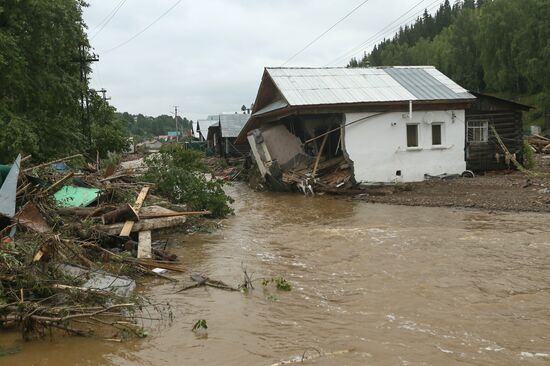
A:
[103,92]
[177,130]
[84,60]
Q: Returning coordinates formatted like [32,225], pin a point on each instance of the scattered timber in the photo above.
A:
[128,225]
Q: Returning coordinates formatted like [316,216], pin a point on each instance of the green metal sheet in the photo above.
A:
[71,196]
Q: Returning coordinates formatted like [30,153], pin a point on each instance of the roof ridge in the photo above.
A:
[349,68]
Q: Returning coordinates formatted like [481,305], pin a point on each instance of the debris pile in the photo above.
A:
[286,162]
[331,176]
[229,169]
[73,241]
[540,144]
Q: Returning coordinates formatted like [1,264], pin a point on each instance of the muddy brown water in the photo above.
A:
[371,285]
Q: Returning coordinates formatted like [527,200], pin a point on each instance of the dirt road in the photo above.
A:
[502,191]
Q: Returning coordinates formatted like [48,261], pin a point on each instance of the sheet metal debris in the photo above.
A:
[72,196]
[8,191]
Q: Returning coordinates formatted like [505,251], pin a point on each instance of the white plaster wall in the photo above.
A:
[378,146]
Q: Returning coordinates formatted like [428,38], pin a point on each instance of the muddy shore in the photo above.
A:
[499,191]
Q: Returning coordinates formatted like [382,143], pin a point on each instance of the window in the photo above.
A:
[412,135]
[478,131]
[437,136]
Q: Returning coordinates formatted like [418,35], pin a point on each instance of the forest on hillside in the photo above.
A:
[499,47]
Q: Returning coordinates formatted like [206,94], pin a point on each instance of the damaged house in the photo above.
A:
[328,128]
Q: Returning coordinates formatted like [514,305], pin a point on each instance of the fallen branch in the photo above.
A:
[52,162]
[205,281]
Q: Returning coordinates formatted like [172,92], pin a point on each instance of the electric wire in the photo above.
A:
[108,19]
[108,15]
[386,30]
[144,29]
[325,32]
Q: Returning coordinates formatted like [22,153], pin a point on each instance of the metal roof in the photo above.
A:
[232,124]
[205,123]
[279,104]
[317,86]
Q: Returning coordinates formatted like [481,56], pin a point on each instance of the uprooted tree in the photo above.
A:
[180,175]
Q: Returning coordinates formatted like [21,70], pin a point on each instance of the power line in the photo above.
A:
[109,18]
[384,31]
[144,29]
[325,32]
[108,15]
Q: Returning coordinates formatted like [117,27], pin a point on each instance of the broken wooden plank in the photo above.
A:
[144,244]
[127,228]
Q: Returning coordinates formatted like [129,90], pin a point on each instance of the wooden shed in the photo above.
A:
[482,150]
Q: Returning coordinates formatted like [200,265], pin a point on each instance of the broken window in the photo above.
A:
[437,137]
[478,131]
[412,135]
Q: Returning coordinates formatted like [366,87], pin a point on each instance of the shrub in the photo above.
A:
[528,156]
[180,176]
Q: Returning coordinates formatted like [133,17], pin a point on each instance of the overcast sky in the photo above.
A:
[208,56]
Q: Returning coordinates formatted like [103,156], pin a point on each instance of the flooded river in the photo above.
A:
[371,285]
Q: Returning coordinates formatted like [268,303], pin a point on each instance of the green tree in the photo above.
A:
[40,80]
[108,131]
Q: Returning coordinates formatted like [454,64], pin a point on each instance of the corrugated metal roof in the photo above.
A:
[272,107]
[232,124]
[317,86]
[205,123]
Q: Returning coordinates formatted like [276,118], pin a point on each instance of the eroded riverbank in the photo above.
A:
[389,285]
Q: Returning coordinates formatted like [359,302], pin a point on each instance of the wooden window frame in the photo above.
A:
[477,131]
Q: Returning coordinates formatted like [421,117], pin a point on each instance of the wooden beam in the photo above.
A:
[173,214]
[319,155]
[128,225]
[144,225]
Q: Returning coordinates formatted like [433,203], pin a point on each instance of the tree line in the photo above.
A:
[141,126]
[500,47]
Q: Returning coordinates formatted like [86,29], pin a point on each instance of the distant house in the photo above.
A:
[221,136]
[483,152]
[385,124]
[201,130]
